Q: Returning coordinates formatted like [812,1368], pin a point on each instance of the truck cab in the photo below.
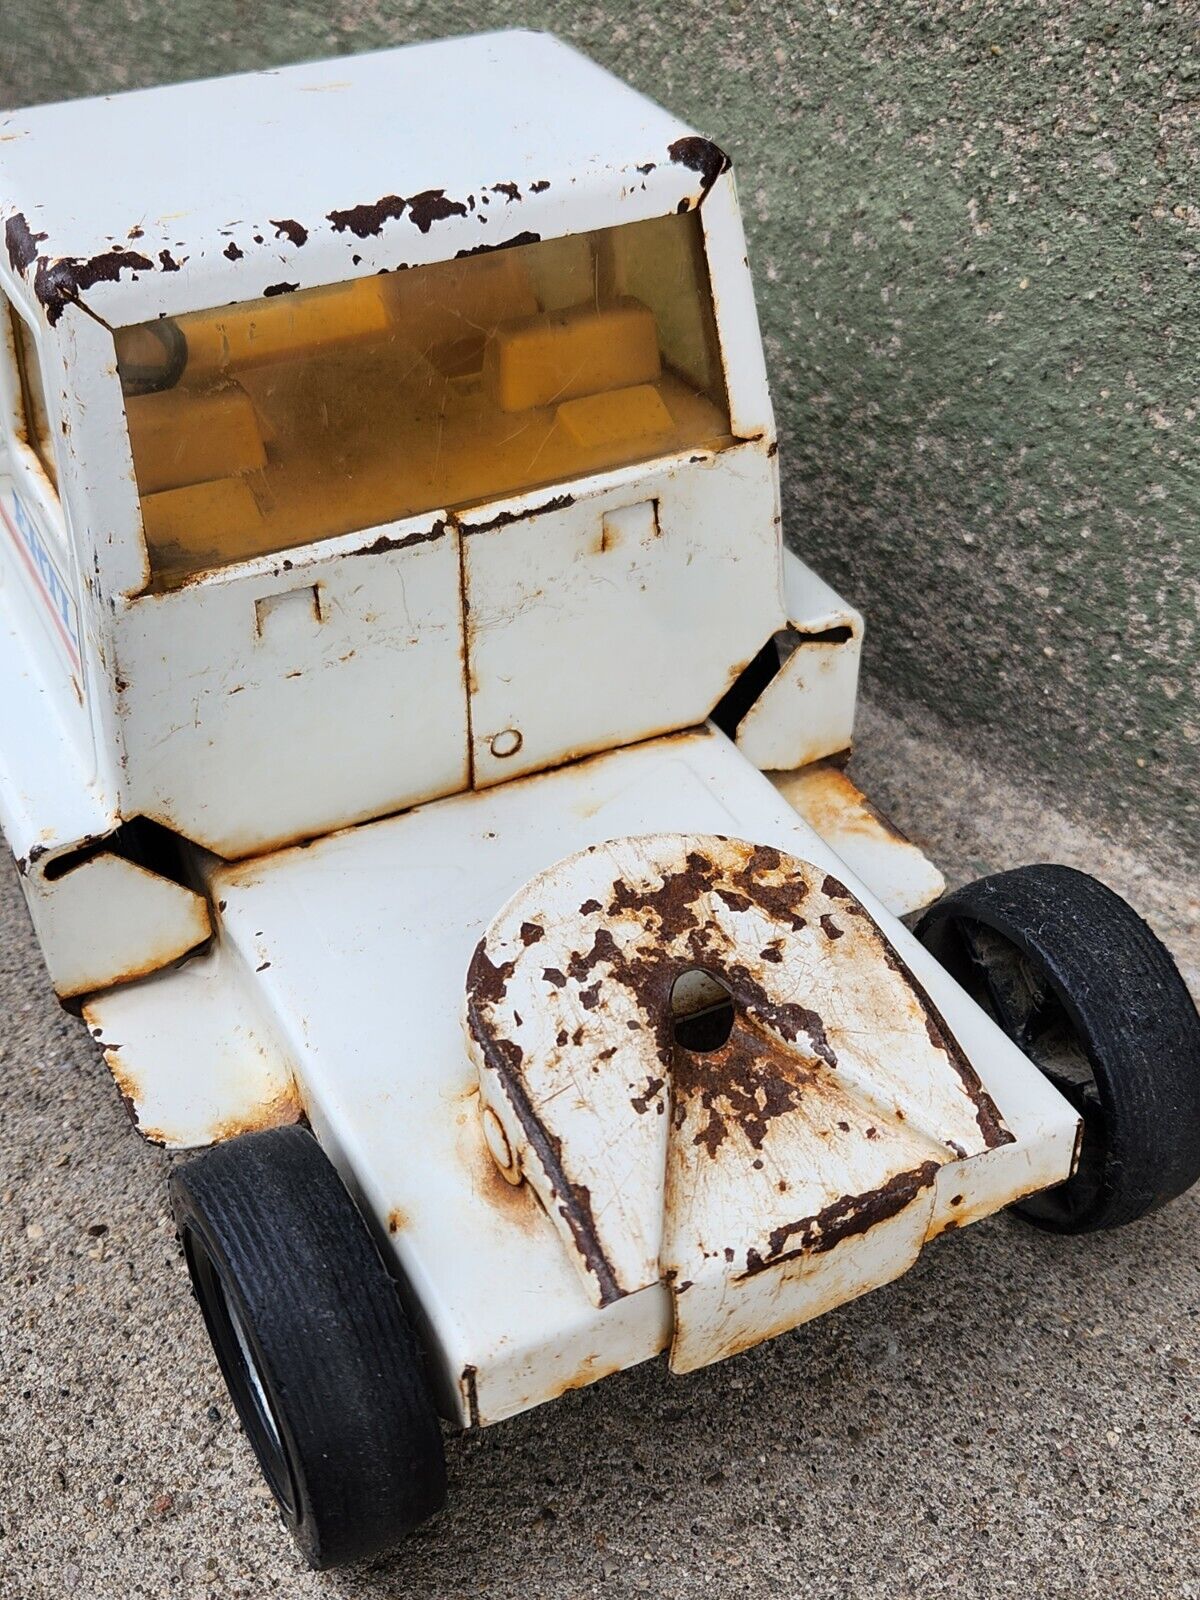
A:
[371,468]
[425,768]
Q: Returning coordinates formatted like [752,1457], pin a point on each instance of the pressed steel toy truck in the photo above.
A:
[424,767]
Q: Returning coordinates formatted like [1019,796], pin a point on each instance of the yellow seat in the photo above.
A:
[181,437]
[621,416]
[202,525]
[562,354]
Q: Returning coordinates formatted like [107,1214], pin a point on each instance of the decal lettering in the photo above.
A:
[44,570]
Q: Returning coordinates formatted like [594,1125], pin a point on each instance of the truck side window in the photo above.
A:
[33,420]
[298,417]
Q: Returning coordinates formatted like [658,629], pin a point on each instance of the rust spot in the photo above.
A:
[512,243]
[540,186]
[554,976]
[590,1370]
[396,1220]
[987,1113]
[233,251]
[531,932]
[831,802]
[280,1111]
[504,518]
[469,1391]
[486,980]
[167,261]
[365,220]
[843,1219]
[830,928]
[503,1056]
[647,166]
[21,242]
[702,156]
[57,284]
[287,228]
[743,1084]
[641,1102]
[431,206]
[508,189]
[386,542]
[772,449]
[127,1086]
[589,908]
[279,288]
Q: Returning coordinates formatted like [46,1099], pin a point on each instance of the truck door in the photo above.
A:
[622,613]
[295,662]
[631,569]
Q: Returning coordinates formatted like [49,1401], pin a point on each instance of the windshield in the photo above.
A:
[304,415]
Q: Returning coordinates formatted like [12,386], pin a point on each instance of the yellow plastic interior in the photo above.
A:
[267,425]
[34,420]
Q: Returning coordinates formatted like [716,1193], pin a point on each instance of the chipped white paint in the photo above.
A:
[747,1176]
[355,950]
[897,870]
[806,712]
[109,920]
[193,1054]
[291,696]
[192,715]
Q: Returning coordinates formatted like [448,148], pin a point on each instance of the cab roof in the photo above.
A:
[165,200]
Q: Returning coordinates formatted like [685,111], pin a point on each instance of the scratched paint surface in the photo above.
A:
[768,1179]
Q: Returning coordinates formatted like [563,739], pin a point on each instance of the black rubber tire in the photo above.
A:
[1107,1018]
[340,1416]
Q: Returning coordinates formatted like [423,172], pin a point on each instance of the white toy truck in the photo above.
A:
[424,767]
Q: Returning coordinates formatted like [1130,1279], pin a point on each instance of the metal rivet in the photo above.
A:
[497,1142]
[506,743]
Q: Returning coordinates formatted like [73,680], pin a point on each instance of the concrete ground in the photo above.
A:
[1018,1416]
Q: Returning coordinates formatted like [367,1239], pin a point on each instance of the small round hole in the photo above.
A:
[702,1011]
[506,743]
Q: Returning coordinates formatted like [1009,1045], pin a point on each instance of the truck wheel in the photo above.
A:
[1078,981]
[312,1342]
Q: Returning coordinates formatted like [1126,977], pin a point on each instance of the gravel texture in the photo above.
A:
[1018,1416]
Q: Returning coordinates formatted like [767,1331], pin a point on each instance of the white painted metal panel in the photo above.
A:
[363,941]
[737,316]
[192,1054]
[288,696]
[897,870]
[48,797]
[109,920]
[625,612]
[806,712]
[742,1173]
[308,174]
